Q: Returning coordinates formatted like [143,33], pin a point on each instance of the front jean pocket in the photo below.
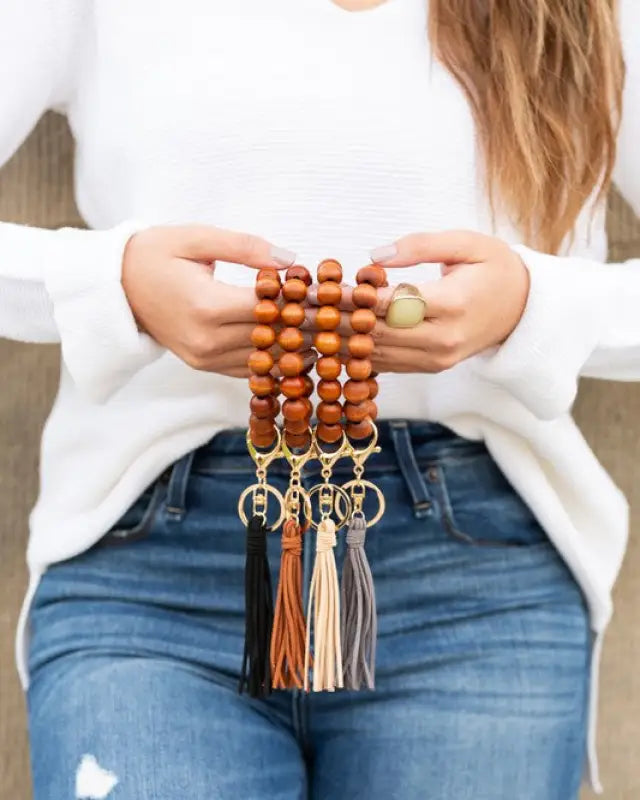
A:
[137,520]
[481,507]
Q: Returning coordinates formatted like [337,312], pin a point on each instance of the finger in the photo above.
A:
[447,247]
[207,243]
[411,360]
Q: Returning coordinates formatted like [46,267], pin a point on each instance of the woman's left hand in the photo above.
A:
[475,305]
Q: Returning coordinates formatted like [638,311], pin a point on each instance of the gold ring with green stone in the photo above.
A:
[407,307]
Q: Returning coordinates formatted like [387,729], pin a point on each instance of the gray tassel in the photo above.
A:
[359,621]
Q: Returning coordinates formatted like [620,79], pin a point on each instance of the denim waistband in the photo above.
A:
[399,440]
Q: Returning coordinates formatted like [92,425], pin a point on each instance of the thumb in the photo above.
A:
[448,247]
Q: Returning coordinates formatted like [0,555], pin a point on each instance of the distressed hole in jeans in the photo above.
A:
[93,782]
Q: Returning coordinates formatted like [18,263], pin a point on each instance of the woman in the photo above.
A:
[477,135]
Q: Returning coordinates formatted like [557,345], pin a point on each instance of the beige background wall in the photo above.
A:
[36,188]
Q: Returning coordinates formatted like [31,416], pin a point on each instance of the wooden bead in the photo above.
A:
[262,385]
[360,345]
[372,409]
[356,391]
[264,439]
[260,424]
[296,409]
[329,390]
[292,387]
[266,312]
[328,318]
[359,430]
[301,273]
[294,290]
[329,270]
[296,426]
[290,339]
[292,314]
[260,362]
[291,364]
[358,368]
[263,336]
[329,433]
[365,296]
[329,293]
[264,407]
[327,342]
[269,272]
[329,413]
[363,320]
[372,383]
[298,440]
[356,412]
[328,368]
[267,287]
[309,386]
[372,274]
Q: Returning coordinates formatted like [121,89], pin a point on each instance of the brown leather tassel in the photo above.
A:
[288,636]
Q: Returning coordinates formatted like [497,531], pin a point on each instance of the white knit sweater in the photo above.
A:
[327,132]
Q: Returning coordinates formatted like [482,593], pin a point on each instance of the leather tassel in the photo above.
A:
[255,675]
[359,621]
[324,607]
[288,636]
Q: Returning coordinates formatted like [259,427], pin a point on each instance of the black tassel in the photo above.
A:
[256,672]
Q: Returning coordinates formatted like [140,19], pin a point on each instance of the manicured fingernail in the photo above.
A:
[380,255]
[284,257]
[312,294]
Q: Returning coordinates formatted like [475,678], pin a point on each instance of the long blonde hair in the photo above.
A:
[544,79]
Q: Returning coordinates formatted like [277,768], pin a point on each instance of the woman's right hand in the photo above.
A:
[167,276]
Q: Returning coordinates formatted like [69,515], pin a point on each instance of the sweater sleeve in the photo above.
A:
[582,317]
[65,285]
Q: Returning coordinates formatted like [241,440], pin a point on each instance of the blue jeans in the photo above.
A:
[483,647]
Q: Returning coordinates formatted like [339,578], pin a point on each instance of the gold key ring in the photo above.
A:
[261,492]
[331,496]
[358,489]
[296,490]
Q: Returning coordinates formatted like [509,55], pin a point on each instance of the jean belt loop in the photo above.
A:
[177,489]
[416,484]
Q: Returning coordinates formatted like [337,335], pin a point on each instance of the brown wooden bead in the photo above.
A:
[264,407]
[260,424]
[329,390]
[329,270]
[365,296]
[295,409]
[291,364]
[363,320]
[359,430]
[372,409]
[262,385]
[264,439]
[358,368]
[361,345]
[267,287]
[260,362]
[292,387]
[263,336]
[266,312]
[329,412]
[294,290]
[297,425]
[329,293]
[372,383]
[298,440]
[356,412]
[301,273]
[328,318]
[328,368]
[356,391]
[372,274]
[290,339]
[268,272]
[329,433]
[309,386]
[327,342]
[292,314]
